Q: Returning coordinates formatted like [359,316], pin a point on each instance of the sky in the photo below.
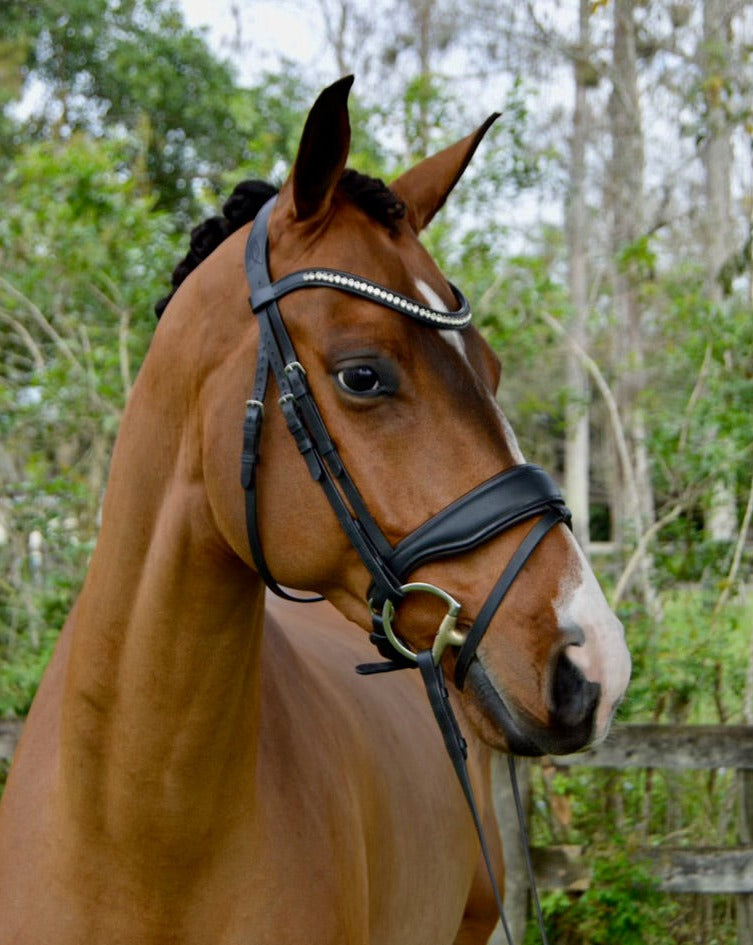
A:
[276,27]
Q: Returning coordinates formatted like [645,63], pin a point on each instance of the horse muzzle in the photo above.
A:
[573,702]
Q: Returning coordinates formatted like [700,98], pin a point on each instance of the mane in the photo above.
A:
[371,194]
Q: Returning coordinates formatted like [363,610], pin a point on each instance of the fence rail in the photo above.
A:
[10,732]
[707,870]
[675,748]
[698,870]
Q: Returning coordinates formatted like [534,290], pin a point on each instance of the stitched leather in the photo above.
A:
[500,589]
[506,499]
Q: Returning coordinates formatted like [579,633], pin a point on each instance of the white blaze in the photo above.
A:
[455,339]
[603,658]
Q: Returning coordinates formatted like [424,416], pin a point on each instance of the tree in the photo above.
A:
[631,258]
[83,257]
[715,59]
[110,68]
[577,408]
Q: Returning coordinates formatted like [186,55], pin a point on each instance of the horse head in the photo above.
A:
[404,389]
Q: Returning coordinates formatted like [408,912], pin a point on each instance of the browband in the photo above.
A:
[264,295]
[366,289]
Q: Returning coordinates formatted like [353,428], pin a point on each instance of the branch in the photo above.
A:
[614,414]
[639,555]
[124,324]
[91,377]
[737,556]
[27,339]
[695,396]
[642,546]
[42,321]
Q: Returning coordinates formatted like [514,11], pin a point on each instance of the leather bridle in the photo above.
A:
[509,498]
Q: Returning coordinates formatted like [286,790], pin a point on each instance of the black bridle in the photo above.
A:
[507,499]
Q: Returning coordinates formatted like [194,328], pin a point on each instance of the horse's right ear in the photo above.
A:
[426,186]
[323,151]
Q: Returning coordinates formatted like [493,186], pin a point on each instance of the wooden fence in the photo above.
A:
[705,870]
[10,732]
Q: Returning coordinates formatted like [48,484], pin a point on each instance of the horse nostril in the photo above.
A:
[574,698]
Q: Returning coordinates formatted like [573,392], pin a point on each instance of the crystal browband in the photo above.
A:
[358,285]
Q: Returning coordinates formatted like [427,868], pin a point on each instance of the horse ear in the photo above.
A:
[323,151]
[426,186]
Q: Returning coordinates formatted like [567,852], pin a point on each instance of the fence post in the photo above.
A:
[516,877]
[745,829]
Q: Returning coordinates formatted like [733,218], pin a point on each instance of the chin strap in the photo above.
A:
[457,749]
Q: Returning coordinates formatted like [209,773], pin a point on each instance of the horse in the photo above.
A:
[201,762]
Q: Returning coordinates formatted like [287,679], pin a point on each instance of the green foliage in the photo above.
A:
[83,257]
[25,657]
[115,67]
[622,904]
[692,667]
[704,411]
[273,112]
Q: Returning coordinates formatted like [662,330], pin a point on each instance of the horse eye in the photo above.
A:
[360,379]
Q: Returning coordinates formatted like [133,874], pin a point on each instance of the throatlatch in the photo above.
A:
[511,497]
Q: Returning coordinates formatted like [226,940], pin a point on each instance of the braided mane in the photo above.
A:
[371,194]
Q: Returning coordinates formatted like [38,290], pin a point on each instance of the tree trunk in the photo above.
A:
[628,226]
[577,460]
[718,236]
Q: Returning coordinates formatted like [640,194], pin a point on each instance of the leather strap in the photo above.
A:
[500,589]
[277,353]
[366,289]
[457,749]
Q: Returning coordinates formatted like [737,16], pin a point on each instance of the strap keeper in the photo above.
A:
[301,436]
[251,436]
[296,374]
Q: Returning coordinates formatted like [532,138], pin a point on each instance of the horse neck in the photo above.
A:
[161,701]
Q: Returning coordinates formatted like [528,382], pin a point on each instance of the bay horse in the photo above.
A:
[201,762]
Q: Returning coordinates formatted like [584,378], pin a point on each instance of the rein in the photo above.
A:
[496,505]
